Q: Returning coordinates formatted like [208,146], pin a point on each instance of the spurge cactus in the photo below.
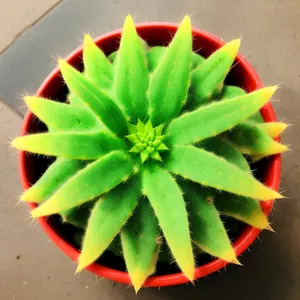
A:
[150,149]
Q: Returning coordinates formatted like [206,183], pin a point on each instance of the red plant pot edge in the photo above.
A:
[245,239]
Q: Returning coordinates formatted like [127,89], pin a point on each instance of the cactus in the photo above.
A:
[146,143]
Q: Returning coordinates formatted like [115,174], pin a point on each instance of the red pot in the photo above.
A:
[242,75]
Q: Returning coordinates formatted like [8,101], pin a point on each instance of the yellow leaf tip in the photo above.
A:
[229,255]
[269,91]
[128,21]
[232,47]
[28,99]
[78,269]
[36,213]
[62,63]
[44,210]
[186,20]
[17,143]
[87,39]
[271,194]
[189,273]
[26,196]
[137,279]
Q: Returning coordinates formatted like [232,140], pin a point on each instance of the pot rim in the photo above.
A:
[244,240]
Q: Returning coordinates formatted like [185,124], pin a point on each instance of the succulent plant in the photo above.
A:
[153,144]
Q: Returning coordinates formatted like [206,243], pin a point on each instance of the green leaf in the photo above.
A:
[155,155]
[63,117]
[140,126]
[113,56]
[211,170]
[155,54]
[170,79]
[139,242]
[197,59]
[115,246]
[208,78]
[144,155]
[97,67]
[78,216]
[108,216]
[166,199]
[231,91]
[74,100]
[223,149]
[248,138]
[54,177]
[217,117]
[87,145]
[94,98]
[95,179]
[241,208]
[131,74]
[208,232]
[131,128]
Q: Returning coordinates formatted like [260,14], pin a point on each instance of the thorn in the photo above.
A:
[237,262]
[269,228]
[78,270]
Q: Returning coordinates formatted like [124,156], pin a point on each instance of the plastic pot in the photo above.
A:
[241,75]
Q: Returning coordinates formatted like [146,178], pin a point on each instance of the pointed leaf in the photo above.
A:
[155,54]
[148,126]
[231,91]
[211,170]
[169,82]
[241,208]
[166,199]
[208,78]
[74,100]
[133,138]
[197,59]
[273,129]
[97,67]
[135,149]
[131,128]
[97,178]
[208,231]
[217,117]
[162,147]
[108,216]
[159,129]
[131,73]
[63,117]
[144,155]
[95,99]
[71,145]
[113,56]
[156,155]
[115,246]
[139,243]
[221,148]
[78,216]
[140,126]
[54,177]
[248,138]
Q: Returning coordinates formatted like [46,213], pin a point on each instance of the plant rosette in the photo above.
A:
[151,146]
